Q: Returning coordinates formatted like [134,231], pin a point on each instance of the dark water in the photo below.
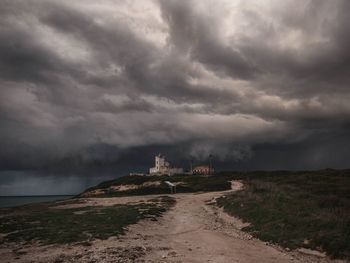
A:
[10,201]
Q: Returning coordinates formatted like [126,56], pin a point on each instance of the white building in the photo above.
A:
[162,167]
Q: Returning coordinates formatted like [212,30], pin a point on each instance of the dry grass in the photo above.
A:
[310,209]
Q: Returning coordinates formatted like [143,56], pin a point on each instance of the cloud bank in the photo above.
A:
[235,78]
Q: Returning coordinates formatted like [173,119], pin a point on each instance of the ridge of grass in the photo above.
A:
[187,184]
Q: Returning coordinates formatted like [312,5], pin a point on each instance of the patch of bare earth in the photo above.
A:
[194,230]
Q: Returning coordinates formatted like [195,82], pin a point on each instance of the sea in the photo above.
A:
[12,201]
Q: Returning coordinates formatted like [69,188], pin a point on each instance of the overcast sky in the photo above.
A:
[93,89]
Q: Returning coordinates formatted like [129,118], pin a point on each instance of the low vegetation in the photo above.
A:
[296,209]
[308,209]
[47,224]
[142,185]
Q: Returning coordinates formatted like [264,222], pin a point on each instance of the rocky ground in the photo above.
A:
[194,230]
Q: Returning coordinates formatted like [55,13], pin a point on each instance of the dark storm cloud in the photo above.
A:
[194,77]
[195,32]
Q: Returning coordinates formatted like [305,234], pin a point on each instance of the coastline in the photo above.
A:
[15,201]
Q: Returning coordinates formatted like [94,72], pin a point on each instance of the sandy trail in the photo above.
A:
[194,230]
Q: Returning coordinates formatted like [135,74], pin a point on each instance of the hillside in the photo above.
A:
[144,185]
[309,209]
[258,216]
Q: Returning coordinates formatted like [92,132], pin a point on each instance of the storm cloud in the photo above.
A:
[104,86]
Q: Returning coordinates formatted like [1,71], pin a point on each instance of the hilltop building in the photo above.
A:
[205,170]
[162,167]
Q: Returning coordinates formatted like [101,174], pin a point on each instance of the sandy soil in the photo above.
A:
[192,231]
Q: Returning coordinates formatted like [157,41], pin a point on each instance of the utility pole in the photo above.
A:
[210,164]
[191,159]
[191,165]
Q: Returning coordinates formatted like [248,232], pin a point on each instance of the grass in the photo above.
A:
[308,209]
[187,184]
[300,209]
[49,225]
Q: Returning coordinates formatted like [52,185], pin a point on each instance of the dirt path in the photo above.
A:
[194,230]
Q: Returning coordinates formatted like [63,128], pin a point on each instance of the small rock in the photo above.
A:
[312,252]
[172,253]
[306,242]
